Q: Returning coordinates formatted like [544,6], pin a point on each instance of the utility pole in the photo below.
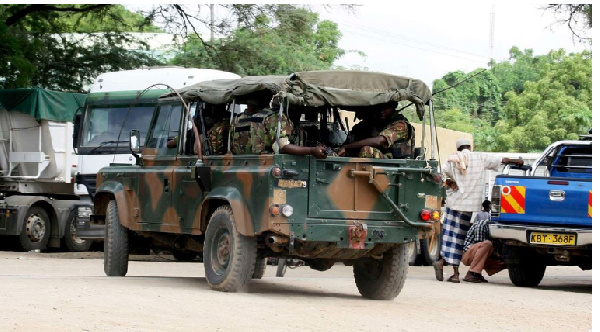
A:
[492,19]
[212,22]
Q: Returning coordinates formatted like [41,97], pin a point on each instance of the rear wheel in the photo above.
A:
[73,242]
[36,230]
[229,257]
[382,279]
[525,270]
[259,268]
[116,243]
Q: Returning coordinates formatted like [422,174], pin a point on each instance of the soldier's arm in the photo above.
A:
[317,151]
[371,141]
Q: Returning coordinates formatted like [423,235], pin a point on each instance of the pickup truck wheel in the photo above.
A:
[259,268]
[281,267]
[36,230]
[229,257]
[73,242]
[382,279]
[184,255]
[116,243]
[528,271]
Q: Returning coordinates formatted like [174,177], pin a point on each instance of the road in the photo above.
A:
[69,292]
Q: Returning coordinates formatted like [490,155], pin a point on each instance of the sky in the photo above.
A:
[427,39]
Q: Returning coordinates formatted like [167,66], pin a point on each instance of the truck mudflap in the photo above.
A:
[545,236]
[379,179]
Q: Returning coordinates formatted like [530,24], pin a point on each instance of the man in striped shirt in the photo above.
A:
[464,172]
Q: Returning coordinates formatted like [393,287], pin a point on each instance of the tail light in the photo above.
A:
[435,215]
[436,177]
[276,171]
[274,210]
[425,215]
[495,200]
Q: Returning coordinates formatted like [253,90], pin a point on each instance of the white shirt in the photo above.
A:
[469,194]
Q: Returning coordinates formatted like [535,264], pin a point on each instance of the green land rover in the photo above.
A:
[238,209]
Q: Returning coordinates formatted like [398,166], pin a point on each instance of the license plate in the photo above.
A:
[552,238]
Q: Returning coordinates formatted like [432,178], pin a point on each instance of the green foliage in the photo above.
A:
[277,42]
[521,105]
[39,47]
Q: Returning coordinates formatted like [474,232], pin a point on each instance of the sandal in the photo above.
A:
[454,279]
[439,270]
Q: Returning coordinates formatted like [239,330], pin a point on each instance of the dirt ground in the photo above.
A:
[69,292]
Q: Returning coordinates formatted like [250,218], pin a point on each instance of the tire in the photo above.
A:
[382,279]
[528,271]
[229,257]
[412,253]
[72,242]
[35,232]
[259,268]
[430,249]
[281,267]
[184,255]
[116,243]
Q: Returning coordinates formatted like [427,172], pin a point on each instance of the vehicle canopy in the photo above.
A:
[42,104]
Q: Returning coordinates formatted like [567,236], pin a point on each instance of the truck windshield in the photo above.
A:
[108,124]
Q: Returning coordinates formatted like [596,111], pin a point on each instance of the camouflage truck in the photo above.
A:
[237,210]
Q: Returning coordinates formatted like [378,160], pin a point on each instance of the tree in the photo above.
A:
[577,17]
[283,40]
[39,47]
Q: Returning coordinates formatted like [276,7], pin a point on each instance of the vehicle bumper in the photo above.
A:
[520,233]
[87,231]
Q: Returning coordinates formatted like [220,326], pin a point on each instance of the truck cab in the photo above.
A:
[238,209]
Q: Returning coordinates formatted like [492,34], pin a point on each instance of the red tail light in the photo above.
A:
[425,215]
[276,171]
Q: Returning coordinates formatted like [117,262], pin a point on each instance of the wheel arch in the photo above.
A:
[231,196]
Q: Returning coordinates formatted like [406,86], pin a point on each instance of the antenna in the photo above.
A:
[492,19]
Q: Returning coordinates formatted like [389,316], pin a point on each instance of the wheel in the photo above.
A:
[259,268]
[430,249]
[116,243]
[382,279]
[229,257]
[36,230]
[528,271]
[281,267]
[413,252]
[184,255]
[73,242]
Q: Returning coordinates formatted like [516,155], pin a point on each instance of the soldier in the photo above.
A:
[382,137]
[255,132]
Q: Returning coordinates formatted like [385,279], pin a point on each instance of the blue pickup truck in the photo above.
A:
[544,217]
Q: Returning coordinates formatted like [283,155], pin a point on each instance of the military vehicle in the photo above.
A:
[240,209]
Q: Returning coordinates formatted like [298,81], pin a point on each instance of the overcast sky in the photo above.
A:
[427,39]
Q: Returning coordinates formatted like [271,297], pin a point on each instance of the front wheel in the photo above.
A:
[36,230]
[229,257]
[116,243]
[259,268]
[382,279]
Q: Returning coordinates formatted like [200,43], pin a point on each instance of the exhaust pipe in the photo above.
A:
[276,242]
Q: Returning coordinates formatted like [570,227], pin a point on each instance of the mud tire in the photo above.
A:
[281,267]
[184,255]
[259,268]
[527,271]
[36,230]
[72,242]
[116,243]
[229,257]
[382,279]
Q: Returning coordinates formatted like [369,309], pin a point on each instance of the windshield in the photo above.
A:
[166,126]
[104,124]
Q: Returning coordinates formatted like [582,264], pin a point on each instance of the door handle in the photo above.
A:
[557,195]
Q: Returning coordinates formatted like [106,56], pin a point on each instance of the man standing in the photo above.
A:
[479,250]
[464,171]
[380,136]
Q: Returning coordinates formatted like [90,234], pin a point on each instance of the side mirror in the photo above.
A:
[76,127]
[134,141]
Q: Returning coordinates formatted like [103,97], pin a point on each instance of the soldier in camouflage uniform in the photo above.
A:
[383,137]
[255,132]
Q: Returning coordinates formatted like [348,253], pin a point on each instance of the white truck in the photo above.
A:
[118,102]
[38,201]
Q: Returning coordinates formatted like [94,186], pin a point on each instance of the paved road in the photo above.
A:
[69,292]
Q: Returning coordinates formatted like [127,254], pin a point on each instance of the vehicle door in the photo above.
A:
[156,175]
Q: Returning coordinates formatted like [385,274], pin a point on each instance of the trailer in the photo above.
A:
[38,200]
